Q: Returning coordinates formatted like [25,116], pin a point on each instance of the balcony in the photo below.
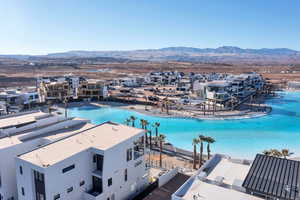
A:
[92,195]
[97,173]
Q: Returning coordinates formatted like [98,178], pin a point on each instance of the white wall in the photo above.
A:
[166,177]
[115,163]
[7,166]
[116,157]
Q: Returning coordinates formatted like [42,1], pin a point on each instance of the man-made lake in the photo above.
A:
[239,138]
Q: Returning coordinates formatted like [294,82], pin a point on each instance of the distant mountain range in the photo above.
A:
[224,54]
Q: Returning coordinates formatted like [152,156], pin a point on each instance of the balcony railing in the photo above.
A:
[93,195]
[97,173]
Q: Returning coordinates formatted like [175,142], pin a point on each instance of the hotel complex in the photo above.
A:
[47,155]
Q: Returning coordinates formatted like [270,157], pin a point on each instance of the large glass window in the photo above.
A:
[138,148]
[39,180]
[129,154]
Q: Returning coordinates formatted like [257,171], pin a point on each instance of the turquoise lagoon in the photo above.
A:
[239,138]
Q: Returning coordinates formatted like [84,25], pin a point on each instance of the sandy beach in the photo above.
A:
[155,111]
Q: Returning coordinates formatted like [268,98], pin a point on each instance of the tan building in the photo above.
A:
[60,88]
[93,89]
[55,91]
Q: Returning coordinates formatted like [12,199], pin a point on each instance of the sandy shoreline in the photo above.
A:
[156,112]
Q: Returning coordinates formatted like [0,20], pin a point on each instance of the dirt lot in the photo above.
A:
[26,75]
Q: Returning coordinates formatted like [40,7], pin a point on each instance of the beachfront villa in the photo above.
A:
[231,86]
[221,177]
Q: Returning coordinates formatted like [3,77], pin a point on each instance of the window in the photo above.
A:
[69,189]
[109,182]
[56,197]
[39,185]
[68,168]
[125,175]
[81,183]
[21,170]
[39,176]
[23,191]
[129,154]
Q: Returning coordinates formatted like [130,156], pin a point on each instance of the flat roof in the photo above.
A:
[53,135]
[217,83]
[21,119]
[230,171]
[206,191]
[103,136]
[275,177]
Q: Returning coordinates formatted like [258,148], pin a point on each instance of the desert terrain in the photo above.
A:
[25,75]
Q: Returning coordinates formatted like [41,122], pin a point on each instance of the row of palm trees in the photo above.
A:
[283,153]
[159,138]
[200,140]
[145,125]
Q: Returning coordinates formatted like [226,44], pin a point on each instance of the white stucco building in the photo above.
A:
[24,132]
[104,162]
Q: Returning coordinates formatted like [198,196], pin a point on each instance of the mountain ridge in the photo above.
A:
[224,54]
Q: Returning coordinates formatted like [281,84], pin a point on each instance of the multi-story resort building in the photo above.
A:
[58,88]
[232,86]
[24,132]
[267,177]
[16,100]
[70,87]
[103,162]
[92,89]
[48,156]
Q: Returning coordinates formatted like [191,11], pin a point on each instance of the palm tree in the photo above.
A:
[150,134]
[267,152]
[195,143]
[66,107]
[156,125]
[49,106]
[201,140]
[146,123]
[142,123]
[133,118]
[209,141]
[168,105]
[161,139]
[273,152]
[127,121]
[276,153]
[286,153]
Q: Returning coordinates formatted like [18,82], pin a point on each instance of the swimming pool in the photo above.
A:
[239,138]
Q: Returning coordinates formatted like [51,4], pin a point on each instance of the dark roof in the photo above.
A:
[165,192]
[275,177]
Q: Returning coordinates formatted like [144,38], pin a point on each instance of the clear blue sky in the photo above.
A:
[44,26]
